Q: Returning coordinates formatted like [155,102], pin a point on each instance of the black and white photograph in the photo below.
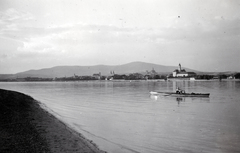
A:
[119,76]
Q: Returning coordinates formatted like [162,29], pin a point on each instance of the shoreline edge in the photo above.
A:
[27,127]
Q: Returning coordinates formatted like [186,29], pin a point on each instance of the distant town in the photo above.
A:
[148,75]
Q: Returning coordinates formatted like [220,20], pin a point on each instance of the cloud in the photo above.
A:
[12,15]
[182,31]
[79,41]
[56,38]
[3,56]
[75,35]
[12,23]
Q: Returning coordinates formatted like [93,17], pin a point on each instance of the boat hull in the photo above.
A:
[173,94]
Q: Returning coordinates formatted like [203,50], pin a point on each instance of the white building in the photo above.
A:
[182,73]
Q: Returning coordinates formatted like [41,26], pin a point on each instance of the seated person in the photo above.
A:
[179,91]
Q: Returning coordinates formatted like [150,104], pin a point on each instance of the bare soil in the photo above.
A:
[26,127]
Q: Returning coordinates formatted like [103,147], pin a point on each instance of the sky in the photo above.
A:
[200,34]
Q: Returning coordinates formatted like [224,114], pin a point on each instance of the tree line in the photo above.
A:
[132,76]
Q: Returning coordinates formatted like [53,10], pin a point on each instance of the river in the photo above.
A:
[122,117]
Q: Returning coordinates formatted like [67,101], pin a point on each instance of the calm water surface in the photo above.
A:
[122,117]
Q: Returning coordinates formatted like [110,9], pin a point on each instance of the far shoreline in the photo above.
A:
[116,80]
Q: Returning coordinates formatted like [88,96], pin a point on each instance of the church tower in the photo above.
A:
[180,69]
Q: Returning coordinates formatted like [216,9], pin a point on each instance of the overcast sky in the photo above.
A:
[200,34]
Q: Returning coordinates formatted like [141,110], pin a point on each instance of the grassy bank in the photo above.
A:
[26,127]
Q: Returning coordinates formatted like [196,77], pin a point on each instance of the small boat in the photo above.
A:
[174,94]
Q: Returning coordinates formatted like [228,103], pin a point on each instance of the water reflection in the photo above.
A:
[154,97]
[120,117]
[178,99]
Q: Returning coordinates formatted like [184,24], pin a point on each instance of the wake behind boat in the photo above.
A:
[180,94]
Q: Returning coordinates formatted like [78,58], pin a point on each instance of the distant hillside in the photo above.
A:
[62,71]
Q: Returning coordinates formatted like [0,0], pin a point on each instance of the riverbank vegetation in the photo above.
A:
[131,76]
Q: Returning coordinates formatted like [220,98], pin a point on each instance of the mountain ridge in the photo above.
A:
[67,71]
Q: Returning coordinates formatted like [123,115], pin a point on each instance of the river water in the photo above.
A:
[122,117]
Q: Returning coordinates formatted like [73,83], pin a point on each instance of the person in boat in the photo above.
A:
[180,91]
